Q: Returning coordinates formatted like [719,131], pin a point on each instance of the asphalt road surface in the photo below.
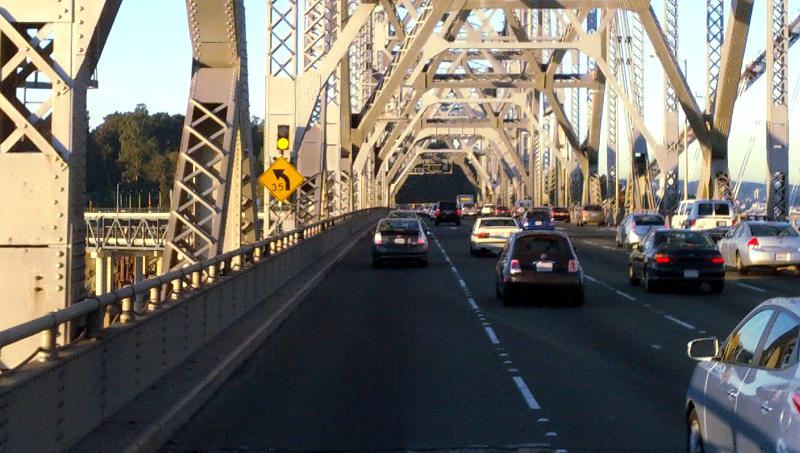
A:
[408,358]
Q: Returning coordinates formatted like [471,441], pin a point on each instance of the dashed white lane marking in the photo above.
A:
[492,335]
[624,294]
[754,288]
[472,303]
[680,323]
[590,278]
[461,282]
[655,346]
[526,393]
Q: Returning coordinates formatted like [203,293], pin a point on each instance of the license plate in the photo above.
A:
[721,223]
[782,256]
[690,273]
[544,266]
[538,222]
[399,241]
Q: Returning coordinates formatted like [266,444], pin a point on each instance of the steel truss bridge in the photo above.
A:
[370,89]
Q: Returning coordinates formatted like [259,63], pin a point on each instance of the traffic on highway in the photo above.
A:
[584,359]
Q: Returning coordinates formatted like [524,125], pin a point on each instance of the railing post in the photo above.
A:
[257,254]
[176,289]
[127,311]
[48,350]
[236,263]
[195,279]
[212,272]
[155,298]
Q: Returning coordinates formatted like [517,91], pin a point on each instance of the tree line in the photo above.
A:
[131,158]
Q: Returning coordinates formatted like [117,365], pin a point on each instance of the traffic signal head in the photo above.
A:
[283,137]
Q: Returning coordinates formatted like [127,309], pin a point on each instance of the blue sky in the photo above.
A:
[147,60]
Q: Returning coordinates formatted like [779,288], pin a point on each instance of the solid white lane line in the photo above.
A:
[526,393]
[492,335]
[680,323]
[754,288]
[655,346]
[625,295]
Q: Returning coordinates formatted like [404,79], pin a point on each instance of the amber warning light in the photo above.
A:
[283,137]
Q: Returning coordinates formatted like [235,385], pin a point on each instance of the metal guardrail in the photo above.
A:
[126,230]
[159,290]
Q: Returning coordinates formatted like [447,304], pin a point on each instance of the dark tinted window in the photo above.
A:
[402,214]
[451,205]
[398,225]
[683,237]
[649,219]
[773,229]
[722,209]
[539,215]
[779,349]
[592,207]
[528,248]
[705,208]
[502,208]
[561,210]
[498,223]
[743,343]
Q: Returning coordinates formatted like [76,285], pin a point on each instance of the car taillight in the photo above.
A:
[752,242]
[633,224]
[691,223]
[483,235]
[421,240]
[515,269]
[733,222]
[796,401]
[378,239]
[458,212]
[438,211]
[572,266]
[661,258]
[525,223]
[717,260]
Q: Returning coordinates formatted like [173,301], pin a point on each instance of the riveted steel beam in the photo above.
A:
[777,109]
[48,52]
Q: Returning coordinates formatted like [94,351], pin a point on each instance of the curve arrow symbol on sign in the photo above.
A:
[279,174]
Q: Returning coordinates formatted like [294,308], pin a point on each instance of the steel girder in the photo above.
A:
[213,198]
[669,176]
[777,109]
[47,53]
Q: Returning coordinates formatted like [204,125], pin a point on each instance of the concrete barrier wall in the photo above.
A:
[50,406]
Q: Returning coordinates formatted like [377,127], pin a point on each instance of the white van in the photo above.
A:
[703,214]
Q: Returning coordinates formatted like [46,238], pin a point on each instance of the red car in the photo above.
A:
[502,210]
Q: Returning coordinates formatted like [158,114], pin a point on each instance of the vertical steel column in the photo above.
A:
[611,115]
[714,42]
[593,192]
[213,209]
[669,176]
[777,109]
[48,51]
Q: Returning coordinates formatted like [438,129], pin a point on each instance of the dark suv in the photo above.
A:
[447,211]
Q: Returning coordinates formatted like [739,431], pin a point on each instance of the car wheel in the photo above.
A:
[472,251]
[717,286]
[740,267]
[632,276]
[508,296]
[376,263]
[458,223]
[436,222]
[576,297]
[619,244]
[648,283]
[694,442]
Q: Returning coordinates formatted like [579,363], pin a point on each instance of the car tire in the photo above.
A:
[632,276]
[694,438]
[472,251]
[508,296]
[436,222]
[458,223]
[649,285]
[717,286]
[376,263]
[740,267]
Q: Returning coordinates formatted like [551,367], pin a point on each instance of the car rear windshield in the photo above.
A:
[401,215]
[398,225]
[592,207]
[529,248]
[467,205]
[649,219]
[713,209]
[772,229]
[539,215]
[684,237]
[561,210]
[451,205]
[498,223]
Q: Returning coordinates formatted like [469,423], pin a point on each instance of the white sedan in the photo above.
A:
[491,234]
[756,243]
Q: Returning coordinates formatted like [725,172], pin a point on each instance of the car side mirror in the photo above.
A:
[703,349]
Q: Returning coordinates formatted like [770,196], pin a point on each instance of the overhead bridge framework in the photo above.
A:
[515,92]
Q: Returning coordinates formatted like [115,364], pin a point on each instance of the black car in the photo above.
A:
[447,212]
[533,261]
[399,239]
[676,256]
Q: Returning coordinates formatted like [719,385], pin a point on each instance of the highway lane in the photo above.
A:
[412,358]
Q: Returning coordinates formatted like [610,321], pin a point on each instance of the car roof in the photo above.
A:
[542,233]
[789,303]
[767,222]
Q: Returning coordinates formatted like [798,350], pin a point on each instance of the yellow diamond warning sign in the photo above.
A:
[282,179]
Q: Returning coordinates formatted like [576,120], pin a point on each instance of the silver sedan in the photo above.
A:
[636,225]
[756,243]
[745,395]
